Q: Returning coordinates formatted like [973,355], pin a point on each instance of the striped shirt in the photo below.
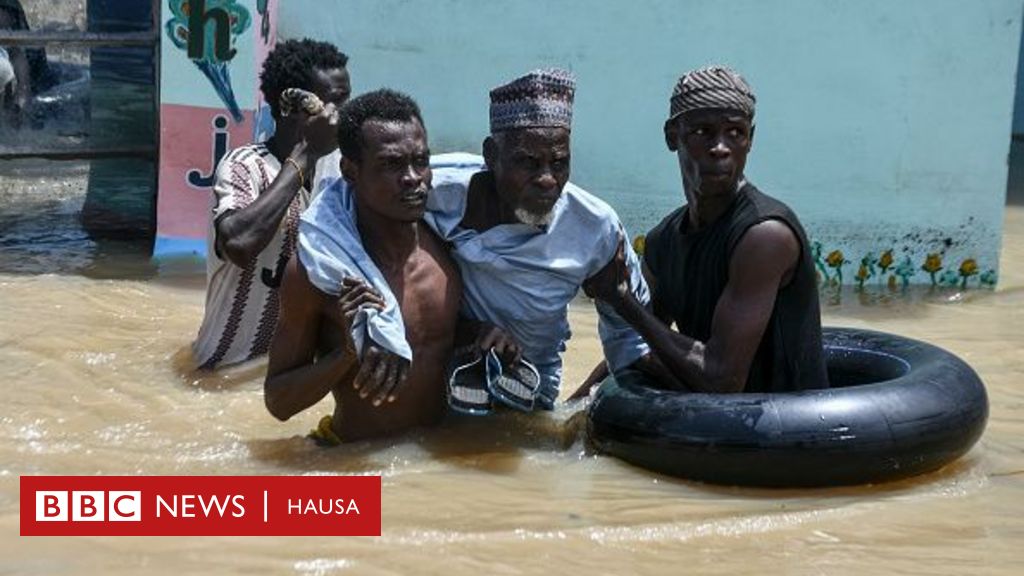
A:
[242,303]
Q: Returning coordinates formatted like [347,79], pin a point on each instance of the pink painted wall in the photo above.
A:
[187,143]
[196,124]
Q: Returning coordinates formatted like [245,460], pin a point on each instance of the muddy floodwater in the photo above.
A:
[94,380]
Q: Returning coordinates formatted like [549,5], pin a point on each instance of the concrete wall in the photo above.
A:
[886,125]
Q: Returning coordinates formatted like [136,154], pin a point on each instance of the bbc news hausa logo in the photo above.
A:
[89,506]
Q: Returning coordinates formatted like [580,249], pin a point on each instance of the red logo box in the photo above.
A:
[200,505]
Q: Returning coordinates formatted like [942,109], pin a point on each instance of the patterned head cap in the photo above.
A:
[711,87]
[540,98]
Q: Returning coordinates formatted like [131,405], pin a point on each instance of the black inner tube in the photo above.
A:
[897,407]
[849,366]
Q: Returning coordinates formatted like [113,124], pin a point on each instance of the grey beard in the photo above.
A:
[538,220]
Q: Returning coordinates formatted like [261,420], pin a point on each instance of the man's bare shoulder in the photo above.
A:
[298,293]
[437,248]
[768,249]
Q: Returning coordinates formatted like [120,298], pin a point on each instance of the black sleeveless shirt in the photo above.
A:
[692,268]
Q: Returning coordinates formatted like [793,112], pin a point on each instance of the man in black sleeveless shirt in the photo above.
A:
[732,268]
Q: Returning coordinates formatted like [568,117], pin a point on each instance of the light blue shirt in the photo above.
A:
[521,277]
[516,276]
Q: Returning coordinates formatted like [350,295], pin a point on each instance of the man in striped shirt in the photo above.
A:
[259,193]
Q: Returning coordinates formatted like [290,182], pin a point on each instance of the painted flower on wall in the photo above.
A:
[895,273]
[932,265]
[835,261]
[639,243]
[886,261]
[968,268]
[866,269]
[862,274]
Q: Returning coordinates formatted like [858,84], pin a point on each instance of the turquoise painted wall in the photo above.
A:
[884,124]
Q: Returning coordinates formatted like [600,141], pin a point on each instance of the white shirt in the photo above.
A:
[242,303]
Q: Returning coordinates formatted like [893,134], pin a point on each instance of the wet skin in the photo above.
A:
[312,353]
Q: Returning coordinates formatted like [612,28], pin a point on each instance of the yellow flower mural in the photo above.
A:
[639,243]
[835,260]
[895,272]
[886,261]
[968,268]
[932,264]
[866,270]
[862,275]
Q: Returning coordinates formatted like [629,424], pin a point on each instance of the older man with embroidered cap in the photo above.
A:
[524,238]
[732,267]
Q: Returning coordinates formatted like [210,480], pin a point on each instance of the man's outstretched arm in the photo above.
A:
[618,277]
[762,260]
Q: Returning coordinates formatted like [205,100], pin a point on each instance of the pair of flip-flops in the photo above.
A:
[478,379]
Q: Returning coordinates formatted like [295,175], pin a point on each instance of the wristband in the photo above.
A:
[302,178]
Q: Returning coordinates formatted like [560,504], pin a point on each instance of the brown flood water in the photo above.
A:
[91,337]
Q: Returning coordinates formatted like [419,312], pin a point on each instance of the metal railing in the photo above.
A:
[33,38]
[76,38]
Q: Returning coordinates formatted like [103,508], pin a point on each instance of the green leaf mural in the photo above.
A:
[905,270]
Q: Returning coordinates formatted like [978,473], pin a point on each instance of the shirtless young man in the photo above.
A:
[386,166]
